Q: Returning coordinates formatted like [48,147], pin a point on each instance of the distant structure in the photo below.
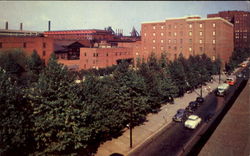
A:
[241,21]
[188,36]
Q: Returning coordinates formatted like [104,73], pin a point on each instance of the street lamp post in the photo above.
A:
[131,124]
[201,86]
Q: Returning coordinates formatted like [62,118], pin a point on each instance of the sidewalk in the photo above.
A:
[155,122]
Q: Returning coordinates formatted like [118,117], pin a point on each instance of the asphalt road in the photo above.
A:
[232,136]
[171,140]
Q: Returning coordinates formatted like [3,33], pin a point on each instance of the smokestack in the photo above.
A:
[21,26]
[6,25]
[49,26]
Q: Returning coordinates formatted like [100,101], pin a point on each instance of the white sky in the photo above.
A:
[66,15]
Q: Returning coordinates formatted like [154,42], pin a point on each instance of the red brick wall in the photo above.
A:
[43,46]
[241,21]
[102,57]
[172,36]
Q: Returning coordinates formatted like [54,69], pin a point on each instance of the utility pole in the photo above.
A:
[201,85]
[219,74]
[131,124]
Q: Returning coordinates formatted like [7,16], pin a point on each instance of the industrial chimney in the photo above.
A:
[21,26]
[49,26]
[6,25]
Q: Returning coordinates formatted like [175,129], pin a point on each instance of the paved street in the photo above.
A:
[232,136]
[154,124]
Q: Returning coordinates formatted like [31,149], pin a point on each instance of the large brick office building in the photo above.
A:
[241,21]
[189,36]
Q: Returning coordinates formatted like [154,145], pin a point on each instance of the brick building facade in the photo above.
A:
[43,46]
[241,21]
[189,36]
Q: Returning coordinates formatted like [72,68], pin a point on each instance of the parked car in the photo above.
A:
[180,116]
[192,122]
[231,80]
[192,106]
[200,100]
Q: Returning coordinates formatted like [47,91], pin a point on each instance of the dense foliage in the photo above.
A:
[238,56]
[52,114]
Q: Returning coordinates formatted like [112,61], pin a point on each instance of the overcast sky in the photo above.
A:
[66,15]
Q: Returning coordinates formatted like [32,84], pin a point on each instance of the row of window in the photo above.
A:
[190,33]
[181,41]
[175,48]
[181,26]
[107,54]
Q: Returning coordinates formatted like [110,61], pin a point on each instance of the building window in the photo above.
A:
[116,54]
[169,33]
[175,26]
[84,66]
[190,49]
[161,41]
[1,45]
[190,33]
[190,40]
[214,25]
[180,48]
[175,48]
[175,34]
[93,61]
[96,54]
[200,41]
[161,48]
[190,25]
[200,25]
[162,34]
[181,33]
[24,45]
[213,58]
[153,27]
[200,33]
[169,47]
[169,26]
[181,41]
[85,54]
[87,60]
[162,27]
[213,41]
[200,49]
[213,33]
[153,41]
[175,41]
[44,45]
[153,34]
[44,53]
[169,41]
[153,47]
[107,54]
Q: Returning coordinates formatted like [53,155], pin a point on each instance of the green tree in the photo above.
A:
[14,123]
[57,116]
[35,66]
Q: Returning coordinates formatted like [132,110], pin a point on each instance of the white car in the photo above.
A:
[192,122]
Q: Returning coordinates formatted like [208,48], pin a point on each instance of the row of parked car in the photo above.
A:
[191,121]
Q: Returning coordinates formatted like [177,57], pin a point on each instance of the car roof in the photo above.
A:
[192,117]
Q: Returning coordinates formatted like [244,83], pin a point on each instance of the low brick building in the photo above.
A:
[188,36]
[43,46]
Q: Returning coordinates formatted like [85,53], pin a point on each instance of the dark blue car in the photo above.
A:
[180,115]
